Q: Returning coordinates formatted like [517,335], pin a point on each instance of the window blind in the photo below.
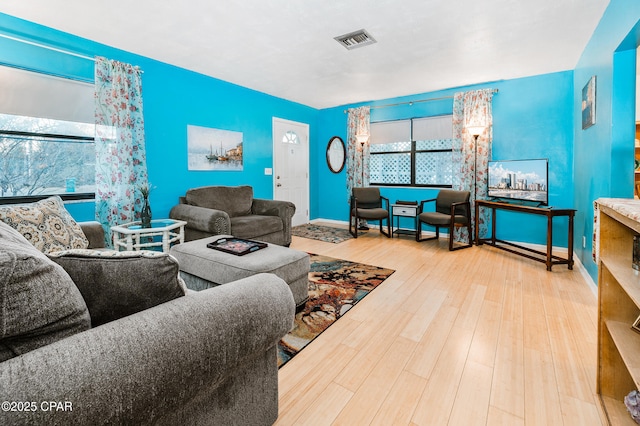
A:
[390,131]
[31,94]
[433,128]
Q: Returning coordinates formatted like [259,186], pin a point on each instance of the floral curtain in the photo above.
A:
[121,166]
[470,155]
[357,148]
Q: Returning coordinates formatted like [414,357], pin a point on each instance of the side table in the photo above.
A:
[129,236]
[547,257]
[404,210]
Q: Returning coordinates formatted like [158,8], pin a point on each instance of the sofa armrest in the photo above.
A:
[284,209]
[202,219]
[145,367]
[94,232]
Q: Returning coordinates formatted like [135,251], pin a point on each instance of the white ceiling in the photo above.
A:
[286,48]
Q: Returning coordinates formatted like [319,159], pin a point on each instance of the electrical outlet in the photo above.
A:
[584,242]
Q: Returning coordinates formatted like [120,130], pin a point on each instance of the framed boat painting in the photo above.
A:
[214,149]
[589,103]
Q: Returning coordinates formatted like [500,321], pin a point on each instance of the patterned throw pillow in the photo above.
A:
[46,224]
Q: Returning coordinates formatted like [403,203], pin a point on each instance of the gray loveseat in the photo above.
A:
[232,210]
[205,358]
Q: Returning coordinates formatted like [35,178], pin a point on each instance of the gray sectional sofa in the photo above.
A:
[200,358]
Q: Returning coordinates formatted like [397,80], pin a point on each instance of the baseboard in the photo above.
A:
[585,275]
[577,264]
[335,222]
[343,223]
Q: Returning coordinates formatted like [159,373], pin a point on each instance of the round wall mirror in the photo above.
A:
[336,154]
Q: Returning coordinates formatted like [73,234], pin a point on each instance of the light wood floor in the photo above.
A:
[476,336]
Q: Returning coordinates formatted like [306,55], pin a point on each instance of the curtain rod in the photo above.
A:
[55,49]
[412,102]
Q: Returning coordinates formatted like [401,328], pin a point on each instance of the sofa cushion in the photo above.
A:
[38,300]
[255,226]
[117,284]
[235,200]
[46,224]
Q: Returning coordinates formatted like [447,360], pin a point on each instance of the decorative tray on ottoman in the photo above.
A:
[237,246]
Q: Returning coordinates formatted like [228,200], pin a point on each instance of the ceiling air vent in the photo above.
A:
[355,39]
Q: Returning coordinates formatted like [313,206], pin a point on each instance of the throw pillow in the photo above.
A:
[235,200]
[46,224]
[117,284]
[39,302]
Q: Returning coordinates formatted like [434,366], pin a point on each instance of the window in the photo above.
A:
[291,137]
[415,152]
[40,157]
[46,137]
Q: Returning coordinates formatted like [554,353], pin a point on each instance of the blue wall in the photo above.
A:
[173,99]
[533,118]
[603,153]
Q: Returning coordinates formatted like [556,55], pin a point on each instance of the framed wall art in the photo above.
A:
[214,149]
[589,103]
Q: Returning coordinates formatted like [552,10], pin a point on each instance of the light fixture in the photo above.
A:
[362,139]
[475,129]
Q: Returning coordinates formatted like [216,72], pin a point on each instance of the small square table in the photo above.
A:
[129,236]
[399,210]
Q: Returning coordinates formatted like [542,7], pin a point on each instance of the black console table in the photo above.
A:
[547,258]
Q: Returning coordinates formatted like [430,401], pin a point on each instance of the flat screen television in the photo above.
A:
[519,180]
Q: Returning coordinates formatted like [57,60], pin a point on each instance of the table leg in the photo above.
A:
[397,220]
[549,242]
[477,207]
[494,213]
[165,241]
[570,242]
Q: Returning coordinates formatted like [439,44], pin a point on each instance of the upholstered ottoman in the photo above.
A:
[202,267]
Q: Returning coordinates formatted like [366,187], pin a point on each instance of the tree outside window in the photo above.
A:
[41,157]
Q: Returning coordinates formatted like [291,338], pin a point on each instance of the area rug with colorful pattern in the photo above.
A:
[335,286]
[322,233]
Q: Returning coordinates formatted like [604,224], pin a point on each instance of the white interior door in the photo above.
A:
[291,166]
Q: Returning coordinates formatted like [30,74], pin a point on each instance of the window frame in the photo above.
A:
[22,199]
[56,87]
[412,151]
